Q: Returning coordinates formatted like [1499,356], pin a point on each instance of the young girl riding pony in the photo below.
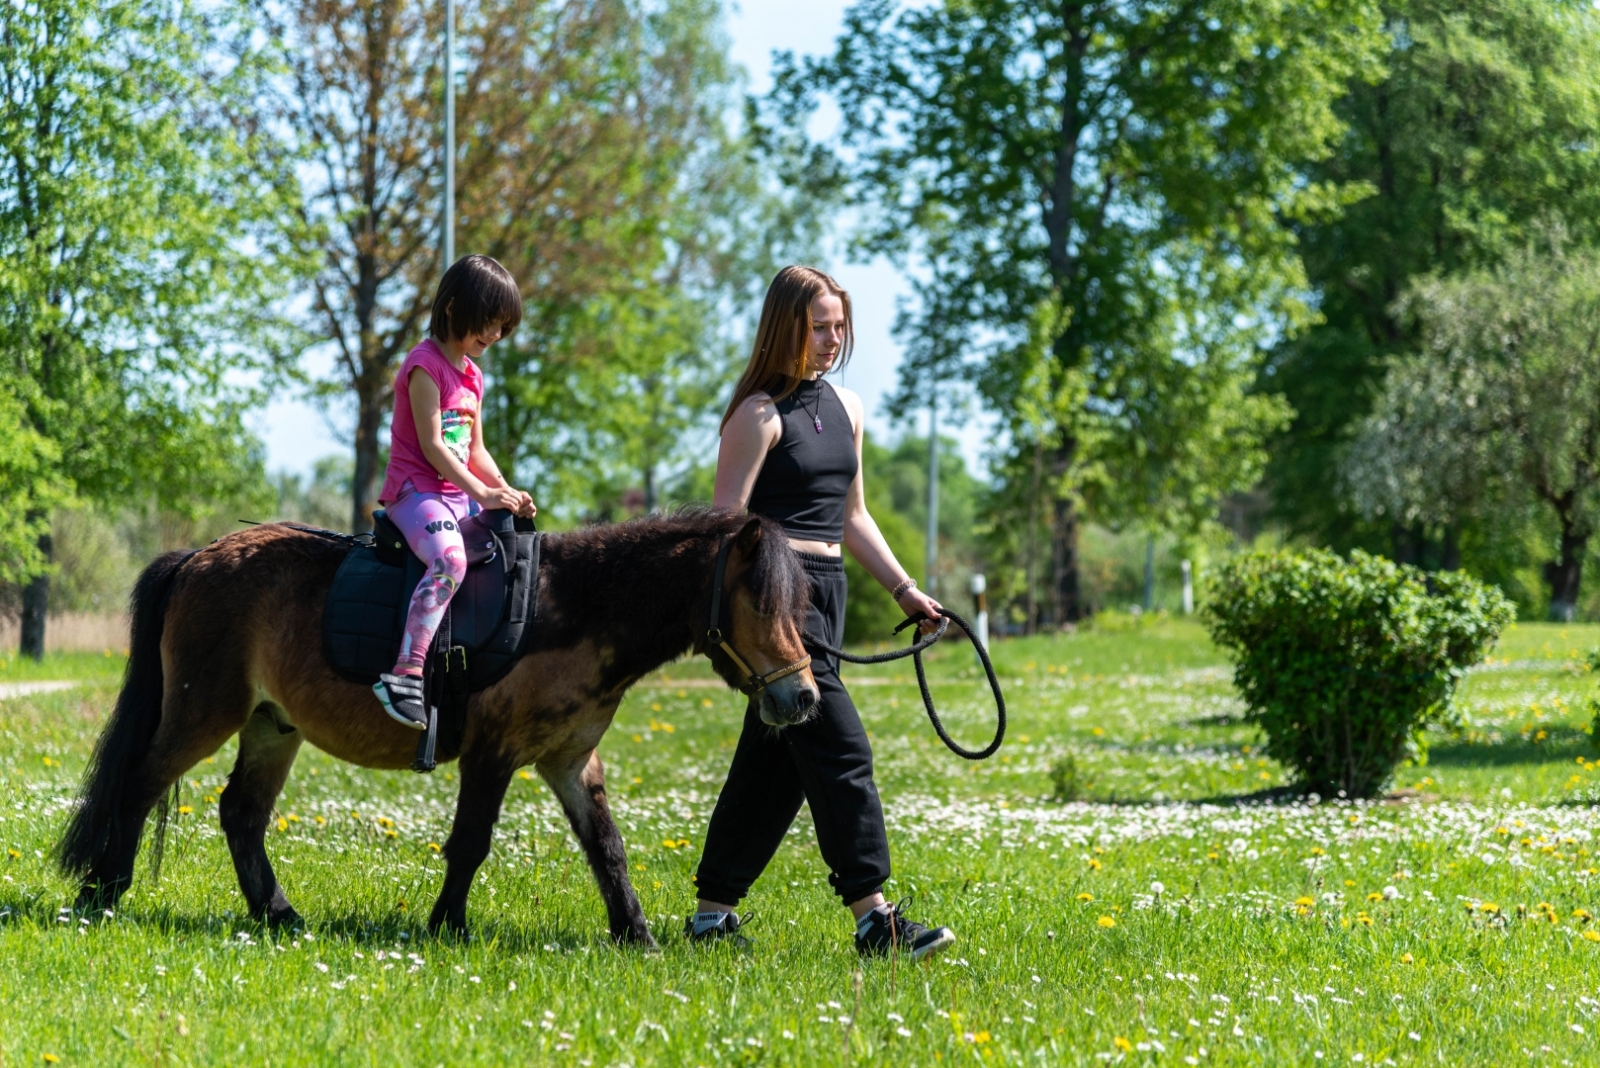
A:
[439,472]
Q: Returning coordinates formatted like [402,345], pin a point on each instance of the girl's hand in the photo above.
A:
[914,601]
[504,497]
[526,509]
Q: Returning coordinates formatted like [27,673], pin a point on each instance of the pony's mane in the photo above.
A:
[775,579]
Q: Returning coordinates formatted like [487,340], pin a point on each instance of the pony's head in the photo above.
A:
[762,622]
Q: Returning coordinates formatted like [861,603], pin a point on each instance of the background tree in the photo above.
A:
[1129,162]
[140,259]
[591,145]
[1506,386]
[1482,128]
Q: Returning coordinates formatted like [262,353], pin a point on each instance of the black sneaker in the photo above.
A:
[706,927]
[401,697]
[884,929]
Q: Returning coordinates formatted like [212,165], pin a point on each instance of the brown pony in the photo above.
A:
[228,640]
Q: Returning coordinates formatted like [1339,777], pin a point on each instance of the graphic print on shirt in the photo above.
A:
[456,430]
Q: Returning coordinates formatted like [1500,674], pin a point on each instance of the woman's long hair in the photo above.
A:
[777,362]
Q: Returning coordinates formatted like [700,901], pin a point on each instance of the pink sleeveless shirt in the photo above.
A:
[460,399]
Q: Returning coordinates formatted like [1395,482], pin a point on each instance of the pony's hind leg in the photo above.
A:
[196,719]
[484,778]
[581,786]
[266,753]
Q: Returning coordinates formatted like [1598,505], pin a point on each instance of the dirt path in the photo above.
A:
[9,690]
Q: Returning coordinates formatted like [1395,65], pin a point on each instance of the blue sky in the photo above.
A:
[297,434]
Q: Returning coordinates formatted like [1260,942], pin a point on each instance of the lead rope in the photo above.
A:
[915,650]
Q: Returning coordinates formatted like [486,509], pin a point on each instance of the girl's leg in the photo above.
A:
[428,523]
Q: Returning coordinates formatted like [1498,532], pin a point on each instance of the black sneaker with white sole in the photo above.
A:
[401,697]
[884,930]
[706,927]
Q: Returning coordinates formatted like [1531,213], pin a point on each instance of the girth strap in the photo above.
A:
[447,689]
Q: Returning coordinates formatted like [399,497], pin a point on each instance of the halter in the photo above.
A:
[755,683]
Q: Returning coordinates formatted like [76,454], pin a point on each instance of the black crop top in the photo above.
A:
[807,474]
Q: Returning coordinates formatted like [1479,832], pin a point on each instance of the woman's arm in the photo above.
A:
[865,541]
[752,432]
[424,395]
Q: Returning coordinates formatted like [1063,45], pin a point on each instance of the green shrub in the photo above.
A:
[1343,664]
[1067,778]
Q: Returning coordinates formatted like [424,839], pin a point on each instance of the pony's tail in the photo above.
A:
[127,737]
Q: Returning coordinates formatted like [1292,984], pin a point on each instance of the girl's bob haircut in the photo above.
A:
[474,293]
[778,360]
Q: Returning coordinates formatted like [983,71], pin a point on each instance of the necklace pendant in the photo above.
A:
[816,420]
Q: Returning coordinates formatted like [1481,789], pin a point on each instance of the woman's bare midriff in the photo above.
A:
[816,548]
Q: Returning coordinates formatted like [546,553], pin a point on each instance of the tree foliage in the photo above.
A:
[1121,171]
[593,161]
[139,245]
[1501,400]
[140,256]
[1482,129]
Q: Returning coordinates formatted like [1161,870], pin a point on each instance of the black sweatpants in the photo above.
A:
[825,761]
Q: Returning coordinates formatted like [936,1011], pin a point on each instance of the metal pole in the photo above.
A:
[980,586]
[1150,572]
[449,224]
[933,488]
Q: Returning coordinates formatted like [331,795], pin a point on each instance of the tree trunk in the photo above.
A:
[1450,556]
[1403,548]
[1032,602]
[364,482]
[1069,604]
[36,606]
[1565,575]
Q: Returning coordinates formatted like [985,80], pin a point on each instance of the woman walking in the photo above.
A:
[791,451]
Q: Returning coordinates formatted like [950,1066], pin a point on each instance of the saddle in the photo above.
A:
[484,632]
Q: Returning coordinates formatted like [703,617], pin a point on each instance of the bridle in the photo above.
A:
[753,683]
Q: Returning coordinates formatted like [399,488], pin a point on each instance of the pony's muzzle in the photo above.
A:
[789,701]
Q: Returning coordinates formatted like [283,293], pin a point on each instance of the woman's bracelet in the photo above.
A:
[900,590]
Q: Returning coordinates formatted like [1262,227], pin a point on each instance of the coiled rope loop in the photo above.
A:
[915,650]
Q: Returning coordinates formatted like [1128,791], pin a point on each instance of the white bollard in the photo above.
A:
[1188,589]
[979,585]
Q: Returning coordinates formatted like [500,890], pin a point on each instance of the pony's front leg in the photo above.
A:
[484,778]
[581,786]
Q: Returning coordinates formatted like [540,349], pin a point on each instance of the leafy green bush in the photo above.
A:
[1343,664]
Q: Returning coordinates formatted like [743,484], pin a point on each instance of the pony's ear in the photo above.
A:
[749,537]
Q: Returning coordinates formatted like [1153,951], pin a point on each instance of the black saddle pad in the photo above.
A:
[490,615]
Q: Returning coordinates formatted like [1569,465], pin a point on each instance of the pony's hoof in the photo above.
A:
[639,937]
[450,929]
[284,919]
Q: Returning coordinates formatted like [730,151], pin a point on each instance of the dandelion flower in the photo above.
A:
[1406,958]
[1123,1044]
[1106,921]
[1157,889]
[1591,935]
[1304,902]
[1086,896]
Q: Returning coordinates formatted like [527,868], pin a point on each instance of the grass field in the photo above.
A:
[1156,921]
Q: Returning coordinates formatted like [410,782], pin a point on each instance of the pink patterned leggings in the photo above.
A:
[428,523]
